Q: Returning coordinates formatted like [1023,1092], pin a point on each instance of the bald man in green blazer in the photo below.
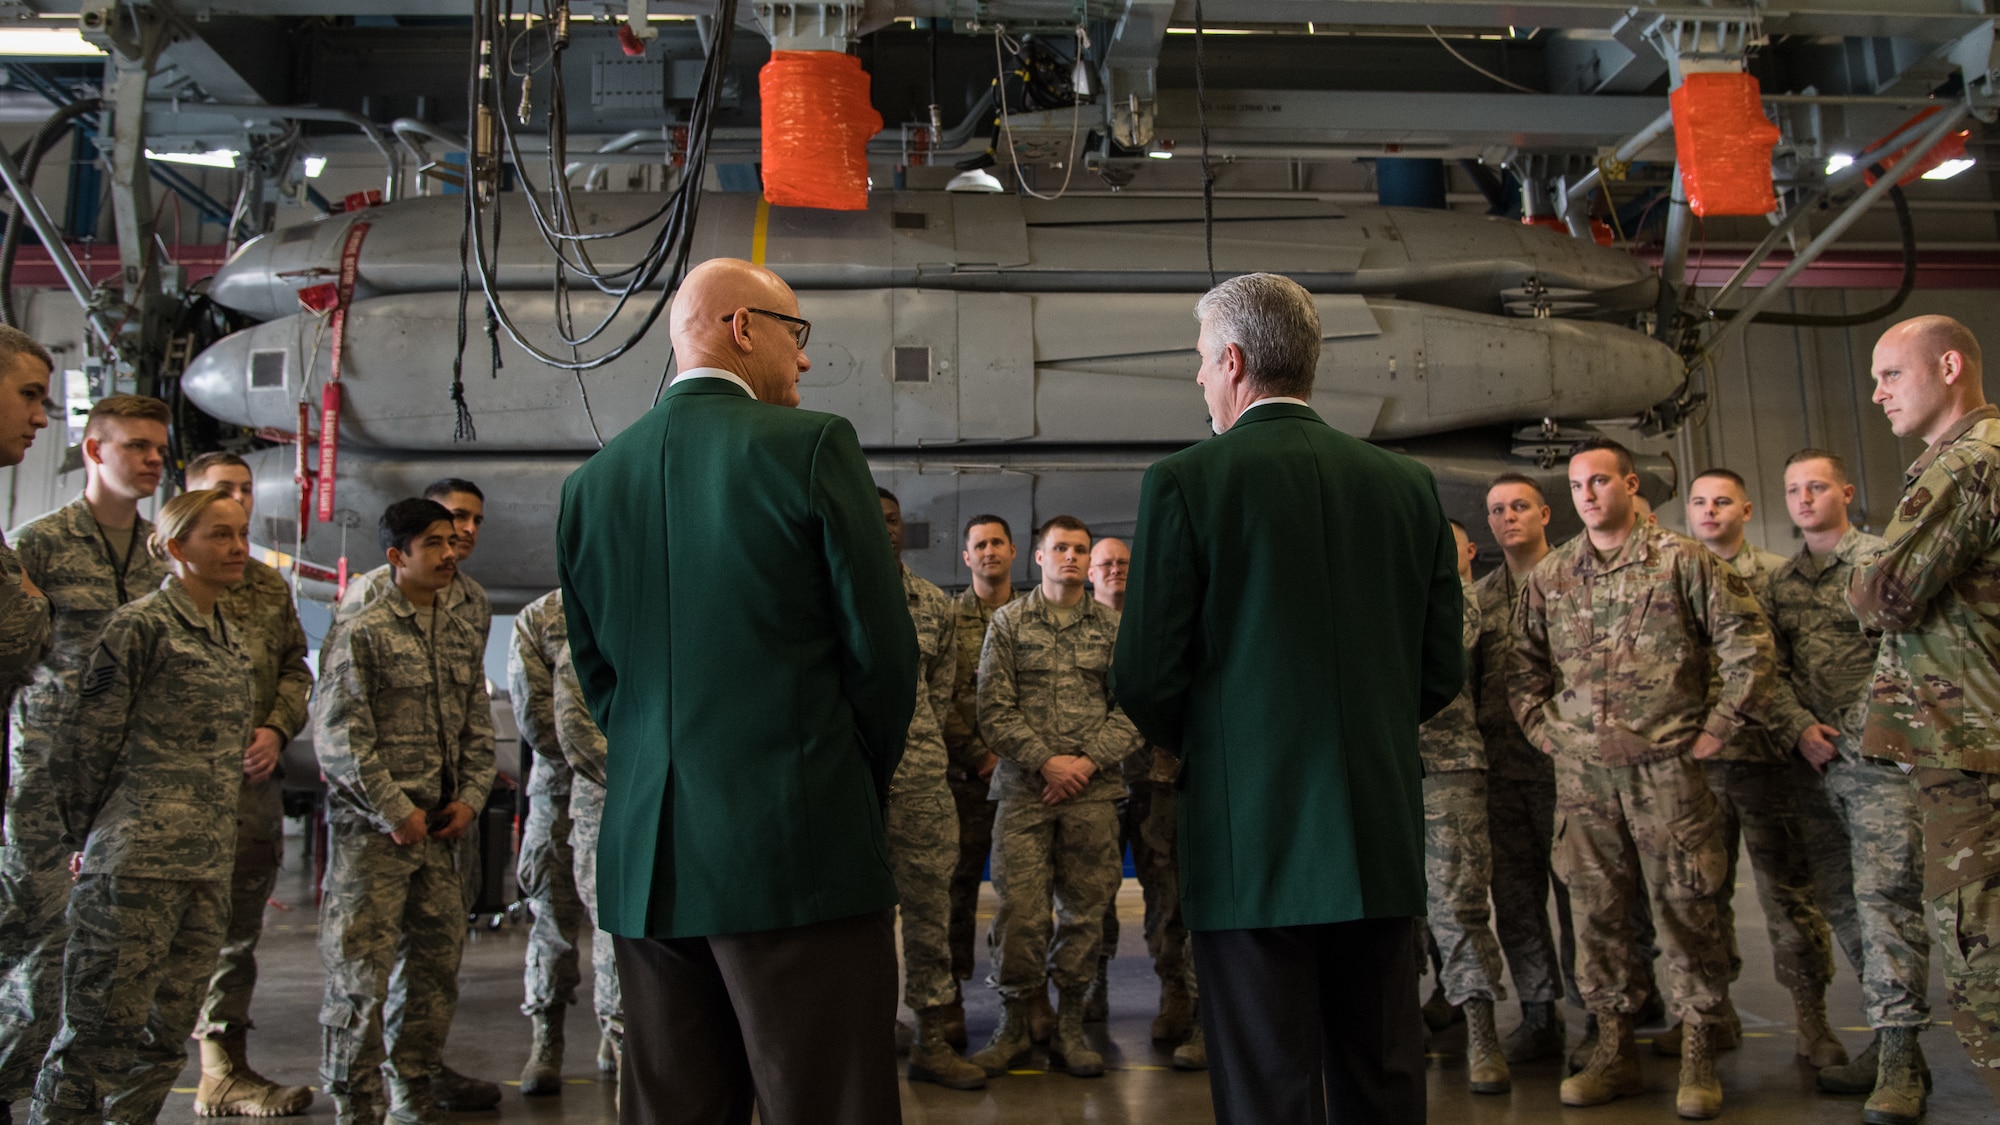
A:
[738,625]
[1294,612]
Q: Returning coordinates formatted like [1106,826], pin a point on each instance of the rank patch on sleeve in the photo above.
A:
[99,679]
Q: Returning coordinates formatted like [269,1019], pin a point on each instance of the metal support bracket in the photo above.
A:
[811,27]
[1131,67]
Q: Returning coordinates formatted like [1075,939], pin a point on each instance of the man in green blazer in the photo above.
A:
[1293,614]
[738,625]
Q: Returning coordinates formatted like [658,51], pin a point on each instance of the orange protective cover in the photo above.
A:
[1723,142]
[817,122]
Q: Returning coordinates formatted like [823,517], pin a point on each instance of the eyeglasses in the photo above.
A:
[801,329]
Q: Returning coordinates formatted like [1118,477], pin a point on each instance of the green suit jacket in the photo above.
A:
[1294,613]
[738,625]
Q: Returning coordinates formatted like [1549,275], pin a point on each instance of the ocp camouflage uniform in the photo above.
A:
[545,869]
[1458,859]
[1754,782]
[69,557]
[1520,813]
[1044,690]
[265,623]
[1610,674]
[972,795]
[1934,702]
[147,789]
[400,723]
[1863,835]
[923,824]
[583,745]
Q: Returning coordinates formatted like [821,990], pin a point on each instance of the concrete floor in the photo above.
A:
[1762,1082]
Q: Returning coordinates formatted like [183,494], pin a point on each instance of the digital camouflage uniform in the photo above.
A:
[1458,859]
[583,746]
[545,869]
[1864,838]
[147,789]
[1611,674]
[965,746]
[1044,690]
[400,722]
[1520,813]
[923,822]
[24,627]
[1934,702]
[72,561]
[1754,782]
[1148,816]
[265,623]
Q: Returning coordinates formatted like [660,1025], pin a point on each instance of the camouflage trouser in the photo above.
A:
[1146,824]
[923,852]
[1521,822]
[34,927]
[260,846]
[1866,845]
[1961,812]
[137,968]
[391,929]
[1759,805]
[1626,832]
[586,810]
[546,872]
[975,843]
[1068,852]
[1458,866]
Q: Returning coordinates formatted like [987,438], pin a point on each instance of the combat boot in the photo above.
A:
[1540,1035]
[460,1094]
[1817,1043]
[1440,1013]
[1193,1054]
[1899,1086]
[413,1101]
[1728,1034]
[953,1017]
[1011,1040]
[1700,1095]
[1580,1058]
[1485,1065]
[607,1054]
[1041,1018]
[357,1109]
[1858,1077]
[1176,1010]
[1070,1049]
[1613,1071]
[933,1060]
[543,1074]
[1097,997]
[229,1088]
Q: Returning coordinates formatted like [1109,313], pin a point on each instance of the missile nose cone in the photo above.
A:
[245,282]
[218,380]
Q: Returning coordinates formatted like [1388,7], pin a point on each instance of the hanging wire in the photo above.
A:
[1453,51]
[1006,131]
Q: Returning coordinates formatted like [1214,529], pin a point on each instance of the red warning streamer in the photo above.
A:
[329,422]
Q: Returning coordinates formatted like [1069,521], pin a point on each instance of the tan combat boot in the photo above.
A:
[1817,1043]
[1728,1034]
[933,1060]
[1899,1086]
[1011,1040]
[1176,1010]
[1580,1058]
[1485,1063]
[1070,1049]
[953,1015]
[542,1076]
[229,1088]
[1193,1054]
[1700,1095]
[1613,1070]
[1041,1017]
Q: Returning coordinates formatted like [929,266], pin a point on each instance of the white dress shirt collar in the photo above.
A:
[717,373]
[1268,398]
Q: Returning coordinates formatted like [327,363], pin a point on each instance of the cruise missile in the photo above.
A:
[971,244]
[922,368]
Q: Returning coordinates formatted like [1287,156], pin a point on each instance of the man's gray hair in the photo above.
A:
[1272,319]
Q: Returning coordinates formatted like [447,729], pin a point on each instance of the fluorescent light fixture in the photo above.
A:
[1158,153]
[1837,161]
[314,166]
[1948,169]
[215,158]
[45,41]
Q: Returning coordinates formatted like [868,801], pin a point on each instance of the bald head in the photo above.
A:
[1110,567]
[1927,376]
[722,317]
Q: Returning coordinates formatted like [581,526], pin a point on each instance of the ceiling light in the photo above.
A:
[1948,169]
[978,179]
[1160,152]
[1837,161]
[214,158]
[18,41]
[314,166]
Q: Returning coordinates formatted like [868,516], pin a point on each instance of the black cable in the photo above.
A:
[1207,170]
[1855,320]
[29,158]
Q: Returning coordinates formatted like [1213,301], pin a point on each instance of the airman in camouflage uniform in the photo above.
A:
[402,730]
[1859,815]
[545,869]
[464,599]
[147,790]
[24,626]
[584,748]
[1458,863]
[1045,707]
[1934,702]
[1612,659]
[70,558]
